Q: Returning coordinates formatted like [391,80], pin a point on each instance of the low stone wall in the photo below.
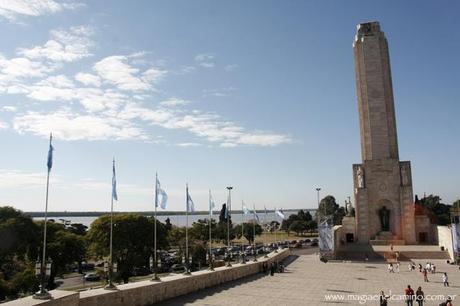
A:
[147,292]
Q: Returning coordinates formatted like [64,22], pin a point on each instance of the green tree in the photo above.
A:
[132,240]
[328,207]
[248,231]
[298,226]
[438,212]
[200,229]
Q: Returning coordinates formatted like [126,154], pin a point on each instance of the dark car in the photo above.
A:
[314,244]
[177,268]
[141,271]
[92,277]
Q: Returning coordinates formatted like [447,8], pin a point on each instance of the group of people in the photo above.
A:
[411,296]
[275,267]
[393,268]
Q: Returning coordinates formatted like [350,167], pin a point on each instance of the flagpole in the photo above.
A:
[243,260]
[264,228]
[155,262]
[210,236]
[229,201]
[254,233]
[187,266]
[110,285]
[43,294]
[276,229]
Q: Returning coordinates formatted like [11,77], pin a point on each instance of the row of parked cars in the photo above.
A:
[172,261]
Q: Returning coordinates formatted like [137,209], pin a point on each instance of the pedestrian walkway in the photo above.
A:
[308,281]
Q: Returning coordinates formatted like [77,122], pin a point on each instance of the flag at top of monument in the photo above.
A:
[161,196]
[190,205]
[280,213]
[49,161]
[114,183]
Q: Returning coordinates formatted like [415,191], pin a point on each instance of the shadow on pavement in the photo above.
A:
[193,297]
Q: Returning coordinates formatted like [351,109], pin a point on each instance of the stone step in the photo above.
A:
[386,242]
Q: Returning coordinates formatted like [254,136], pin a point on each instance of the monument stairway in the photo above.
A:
[383,252]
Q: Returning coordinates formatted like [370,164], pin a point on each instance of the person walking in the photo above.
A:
[272,269]
[419,296]
[445,280]
[425,275]
[397,267]
[383,299]
[433,269]
[409,292]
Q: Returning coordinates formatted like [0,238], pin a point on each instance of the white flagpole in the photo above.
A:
[43,294]
[254,233]
[243,260]
[110,285]
[276,229]
[155,262]
[210,236]
[187,266]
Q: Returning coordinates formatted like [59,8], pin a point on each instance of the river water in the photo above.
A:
[180,220]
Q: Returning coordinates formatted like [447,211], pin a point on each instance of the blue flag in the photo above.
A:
[162,196]
[245,210]
[256,217]
[49,162]
[280,213]
[114,183]
[190,204]
[212,205]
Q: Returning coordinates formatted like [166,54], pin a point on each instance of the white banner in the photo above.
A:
[326,238]
[456,237]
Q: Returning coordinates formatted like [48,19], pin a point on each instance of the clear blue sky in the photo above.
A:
[259,95]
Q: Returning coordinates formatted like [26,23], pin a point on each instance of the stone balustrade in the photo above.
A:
[148,292]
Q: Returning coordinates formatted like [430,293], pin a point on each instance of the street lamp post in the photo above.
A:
[229,201]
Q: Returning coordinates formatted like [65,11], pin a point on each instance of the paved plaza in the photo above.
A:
[309,281]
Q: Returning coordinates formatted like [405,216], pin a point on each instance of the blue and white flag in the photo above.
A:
[280,213]
[49,161]
[190,205]
[114,183]
[256,217]
[162,196]
[246,211]
[212,205]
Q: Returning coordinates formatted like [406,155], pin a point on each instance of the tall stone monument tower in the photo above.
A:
[383,185]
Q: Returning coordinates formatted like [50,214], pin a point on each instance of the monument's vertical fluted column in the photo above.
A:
[383,186]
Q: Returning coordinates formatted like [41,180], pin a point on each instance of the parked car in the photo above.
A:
[92,277]
[177,268]
[141,271]
[314,244]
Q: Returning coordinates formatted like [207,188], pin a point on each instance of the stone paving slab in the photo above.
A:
[307,282]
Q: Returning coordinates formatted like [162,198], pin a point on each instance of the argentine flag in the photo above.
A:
[212,205]
[114,183]
[190,204]
[246,211]
[280,213]
[162,195]
[49,162]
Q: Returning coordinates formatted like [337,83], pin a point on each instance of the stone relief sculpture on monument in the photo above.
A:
[404,176]
[360,175]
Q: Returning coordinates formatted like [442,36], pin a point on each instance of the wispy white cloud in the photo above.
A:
[189,144]
[15,178]
[67,125]
[117,71]
[231,67]
[9,108]
[88,79]
[205,60]
[13,9]
[174,102]
[222,92]
[64,46]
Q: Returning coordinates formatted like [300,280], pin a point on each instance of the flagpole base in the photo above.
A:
[42,295]
[187,273]
[228,264]
[110,286]
[155,278]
